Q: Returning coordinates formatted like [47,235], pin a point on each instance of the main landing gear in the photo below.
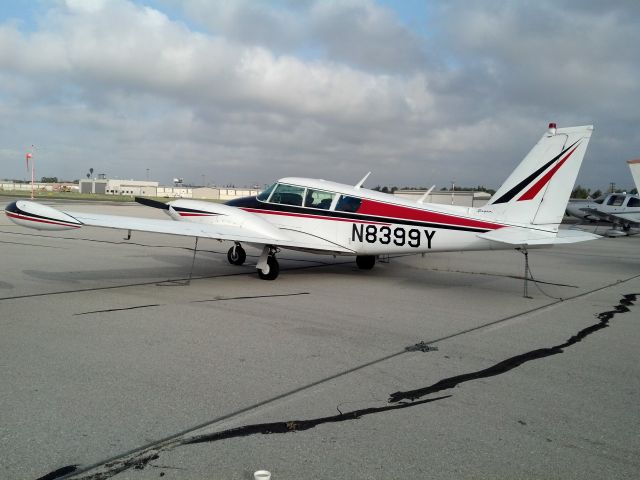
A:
[268,267]
[365,262]
[236,255]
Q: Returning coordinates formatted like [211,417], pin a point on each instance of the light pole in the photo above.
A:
[33,173]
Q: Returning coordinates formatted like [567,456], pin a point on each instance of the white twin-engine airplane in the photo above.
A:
[335,219]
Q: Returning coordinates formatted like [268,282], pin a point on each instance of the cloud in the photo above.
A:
[249,91]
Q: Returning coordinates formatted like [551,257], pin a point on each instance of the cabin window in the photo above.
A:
[616,200]
[264,195]
[287,195]
[633,202]
[348,204]
[318,199]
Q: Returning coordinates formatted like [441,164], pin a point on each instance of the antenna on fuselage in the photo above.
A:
[426,194]
[359,184]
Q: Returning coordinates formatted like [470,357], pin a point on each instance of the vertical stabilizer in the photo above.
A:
[538,190]
[634,166]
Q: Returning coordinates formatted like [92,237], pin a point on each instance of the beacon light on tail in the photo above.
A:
[330,218]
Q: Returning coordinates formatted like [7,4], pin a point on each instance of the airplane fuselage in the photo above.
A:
[365,222]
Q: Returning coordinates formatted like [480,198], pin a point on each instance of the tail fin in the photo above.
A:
[634,166]
[538,190]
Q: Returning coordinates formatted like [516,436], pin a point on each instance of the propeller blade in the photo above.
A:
[152,203]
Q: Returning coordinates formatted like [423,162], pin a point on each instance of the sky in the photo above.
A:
[245,92]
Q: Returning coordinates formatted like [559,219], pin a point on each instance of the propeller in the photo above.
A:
[152,203]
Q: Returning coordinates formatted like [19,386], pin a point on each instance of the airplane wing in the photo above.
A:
[526,237]
[632,218]
[248,228]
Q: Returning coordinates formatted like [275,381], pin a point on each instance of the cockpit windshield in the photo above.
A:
[264,195]
[288,195]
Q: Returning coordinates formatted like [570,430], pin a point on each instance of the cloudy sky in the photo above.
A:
[247,91]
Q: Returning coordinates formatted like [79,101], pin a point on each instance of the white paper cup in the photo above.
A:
[262,475]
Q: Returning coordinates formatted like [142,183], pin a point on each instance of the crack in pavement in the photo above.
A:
[299,425]
[514,362]
[59,473]
[118,309]
[141,457]
[217,299]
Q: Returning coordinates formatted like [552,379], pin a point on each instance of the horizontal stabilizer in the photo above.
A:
[526,237]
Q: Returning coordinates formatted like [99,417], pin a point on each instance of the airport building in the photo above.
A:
[9,186]
[119,187]
[153,189]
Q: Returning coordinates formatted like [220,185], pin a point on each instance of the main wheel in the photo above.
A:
[236,255]
[272,270]
[365,262]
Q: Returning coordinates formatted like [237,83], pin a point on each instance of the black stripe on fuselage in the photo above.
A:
[519,187]
[254,203]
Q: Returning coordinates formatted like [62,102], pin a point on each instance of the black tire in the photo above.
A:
[236,257]
[274,269]
[365,262]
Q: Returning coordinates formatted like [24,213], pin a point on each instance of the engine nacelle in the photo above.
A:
[218,213]
[40,217]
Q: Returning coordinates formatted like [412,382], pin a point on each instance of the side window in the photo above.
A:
[348,204]
[318,199]
[287,195]
[264,195]
[616,200]
[633,202]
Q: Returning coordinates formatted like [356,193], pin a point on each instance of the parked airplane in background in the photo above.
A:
[330,218]
[621,209]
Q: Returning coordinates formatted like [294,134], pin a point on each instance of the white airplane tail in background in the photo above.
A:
[538,190]
[634,166]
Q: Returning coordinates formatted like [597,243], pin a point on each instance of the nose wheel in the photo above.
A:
[236,255]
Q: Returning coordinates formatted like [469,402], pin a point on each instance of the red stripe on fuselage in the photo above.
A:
[381,209]
[533,191]
[41,220]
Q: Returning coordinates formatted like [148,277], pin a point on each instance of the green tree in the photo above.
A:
[580,192]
